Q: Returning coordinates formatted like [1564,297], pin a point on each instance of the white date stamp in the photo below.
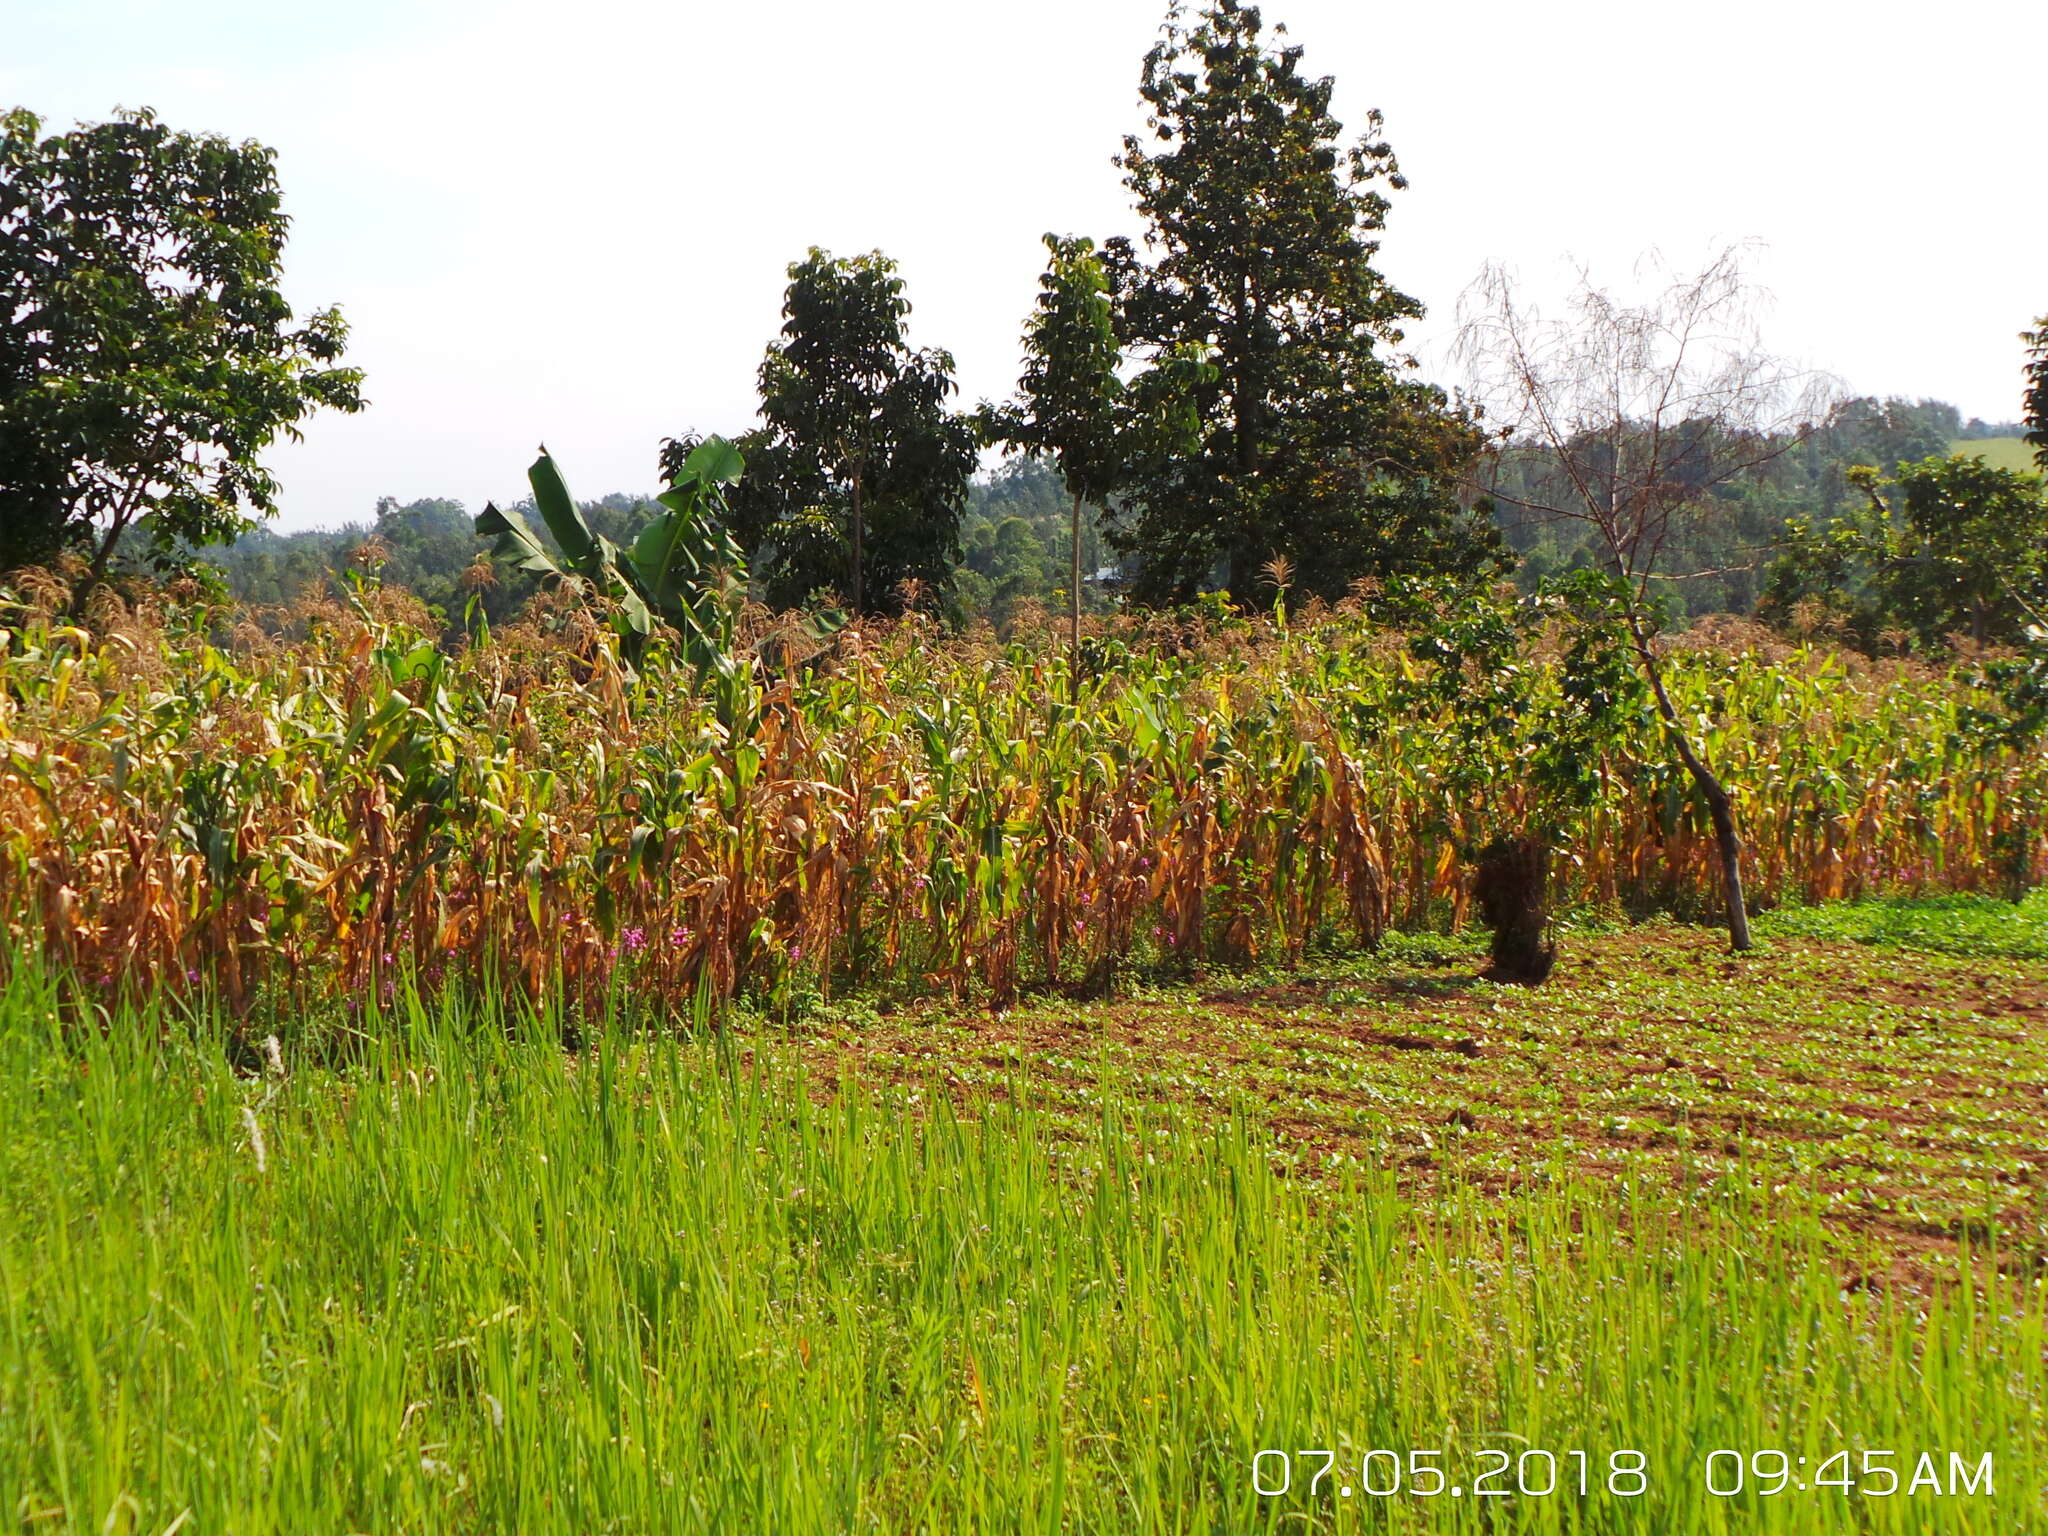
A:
[1622,1473]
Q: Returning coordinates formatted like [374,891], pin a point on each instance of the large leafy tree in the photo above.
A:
[147,357]
[859,474]
[1316,442]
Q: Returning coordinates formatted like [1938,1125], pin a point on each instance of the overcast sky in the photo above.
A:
[571,222]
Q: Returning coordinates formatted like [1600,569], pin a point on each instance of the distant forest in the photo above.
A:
[1015,541]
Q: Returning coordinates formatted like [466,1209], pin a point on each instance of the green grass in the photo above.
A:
[1944,925]
[2000,452]
[473,1282]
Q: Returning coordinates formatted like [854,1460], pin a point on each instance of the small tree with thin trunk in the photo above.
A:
[1070,397]
[1634,421]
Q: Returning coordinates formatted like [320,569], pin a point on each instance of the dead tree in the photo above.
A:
[1628,419]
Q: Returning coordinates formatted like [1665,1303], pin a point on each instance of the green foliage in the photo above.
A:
[861,471]
[1314,444]
[1006,561]
[683,570]
[1526,746]
[1948,545]
[1882,433]
[1070,397]
[1075,409]
[147,356]
[427,547]
[1069,409]
[2035,404]
[1001,565]
[1947,924]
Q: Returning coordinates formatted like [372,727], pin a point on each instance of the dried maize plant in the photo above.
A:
[335,807]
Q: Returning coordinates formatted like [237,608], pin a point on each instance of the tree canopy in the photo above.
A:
[1071,401]
[1943,546]
[1070,396]
[147,357]
[1316,442]
[857,479]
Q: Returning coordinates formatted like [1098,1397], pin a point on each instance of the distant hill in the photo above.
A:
[2001,452]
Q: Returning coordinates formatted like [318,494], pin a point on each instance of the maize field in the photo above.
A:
[328,809]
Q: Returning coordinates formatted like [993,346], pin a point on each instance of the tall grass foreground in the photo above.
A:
[469,1281]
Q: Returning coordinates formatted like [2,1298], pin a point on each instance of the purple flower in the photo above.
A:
[191,978]
[679,936]
[636,940]
[388,960]
[796,951]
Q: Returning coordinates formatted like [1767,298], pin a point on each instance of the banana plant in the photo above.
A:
[683,570]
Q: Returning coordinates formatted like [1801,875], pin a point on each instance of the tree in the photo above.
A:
[1485,704]
[1070,398]
[1012,561]
[1883,433]
[1948,545]
[1632,421]
[860,471]
[2035,404]
[1968,540]
[1314,444]
[147,357]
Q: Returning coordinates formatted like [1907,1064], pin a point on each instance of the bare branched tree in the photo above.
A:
[1630,419]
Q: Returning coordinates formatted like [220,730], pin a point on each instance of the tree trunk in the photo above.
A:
[1512,889]
[1723,815]
[859,539]
[102,556]
[1074,628]
[1719,809]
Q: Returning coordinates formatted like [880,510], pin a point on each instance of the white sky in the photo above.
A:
[571,222]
